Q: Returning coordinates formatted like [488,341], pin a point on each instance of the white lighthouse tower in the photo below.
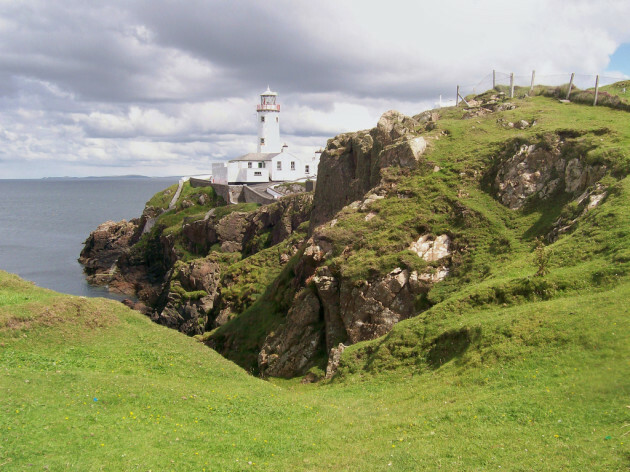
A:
[268,115]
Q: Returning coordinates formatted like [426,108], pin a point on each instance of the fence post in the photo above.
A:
[570,85]
[494,78]
[511,84]
[596,89]
[457,97]
[531,87]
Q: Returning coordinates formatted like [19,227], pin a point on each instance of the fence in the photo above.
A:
[510,80]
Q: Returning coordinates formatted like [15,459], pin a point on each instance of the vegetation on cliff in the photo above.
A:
[457,285]
[492,182]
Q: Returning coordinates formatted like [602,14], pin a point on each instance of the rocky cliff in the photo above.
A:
[146,259]
[352,163]
[405,216]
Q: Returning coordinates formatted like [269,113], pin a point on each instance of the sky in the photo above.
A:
[166,88]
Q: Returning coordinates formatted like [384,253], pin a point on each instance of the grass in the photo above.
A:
[455,200]
[504,369]
[126,394]
[163,198]
[193,203]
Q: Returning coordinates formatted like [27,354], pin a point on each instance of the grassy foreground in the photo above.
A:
[87,384]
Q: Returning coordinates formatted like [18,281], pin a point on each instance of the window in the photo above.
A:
[292,165]
[279,165]
[306,169]
[262,140]
[276,119]
[261,165]
[249,165]
[258,173]
[262,119]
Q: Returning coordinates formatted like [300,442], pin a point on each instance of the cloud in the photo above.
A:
[159,87]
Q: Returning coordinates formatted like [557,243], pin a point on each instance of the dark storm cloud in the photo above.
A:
[298,48]
[254,41]
[79,51]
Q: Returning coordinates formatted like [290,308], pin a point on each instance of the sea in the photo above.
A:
[44,223]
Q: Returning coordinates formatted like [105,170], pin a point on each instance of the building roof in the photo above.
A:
[255,156]
[268,92]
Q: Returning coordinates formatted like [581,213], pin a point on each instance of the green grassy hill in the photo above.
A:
[500,369]
[88,384]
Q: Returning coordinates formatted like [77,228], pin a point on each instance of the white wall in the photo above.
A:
[220,173]
[239,171]
[285,173]
[269,130]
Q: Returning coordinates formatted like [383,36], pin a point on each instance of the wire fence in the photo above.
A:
[511,80]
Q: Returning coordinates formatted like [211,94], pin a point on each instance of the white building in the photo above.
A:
[268,117]
[272,161]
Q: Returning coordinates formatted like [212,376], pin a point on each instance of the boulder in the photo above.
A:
[334,359]
[405,153]
[393,125]
[431,249]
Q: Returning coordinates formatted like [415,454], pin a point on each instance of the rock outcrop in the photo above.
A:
[351,164]
[193,289]
[241,231]
[290,350]
[540,170]
[104,246]
[182,296]
[334,311]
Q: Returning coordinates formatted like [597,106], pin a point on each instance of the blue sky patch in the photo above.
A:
[620,60]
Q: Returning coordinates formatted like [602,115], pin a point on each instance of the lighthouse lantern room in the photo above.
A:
[268,114]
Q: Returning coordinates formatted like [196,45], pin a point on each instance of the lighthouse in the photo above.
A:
[272,162]
[268,115]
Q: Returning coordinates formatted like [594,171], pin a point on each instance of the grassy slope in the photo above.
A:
[165,402]
[505,370]
[463,155]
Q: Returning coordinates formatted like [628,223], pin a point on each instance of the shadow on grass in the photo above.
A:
[451,344]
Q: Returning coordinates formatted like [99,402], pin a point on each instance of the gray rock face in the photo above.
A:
[338,312]
[290,350]
[350,314]
[541,171]
[193,289]
[351,163]
[230,231]
[334,359]
[103,248]
[350,311]
[236,231]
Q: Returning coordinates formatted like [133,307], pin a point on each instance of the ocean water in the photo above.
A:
[43,224]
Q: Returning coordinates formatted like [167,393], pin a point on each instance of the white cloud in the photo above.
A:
[164,88]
